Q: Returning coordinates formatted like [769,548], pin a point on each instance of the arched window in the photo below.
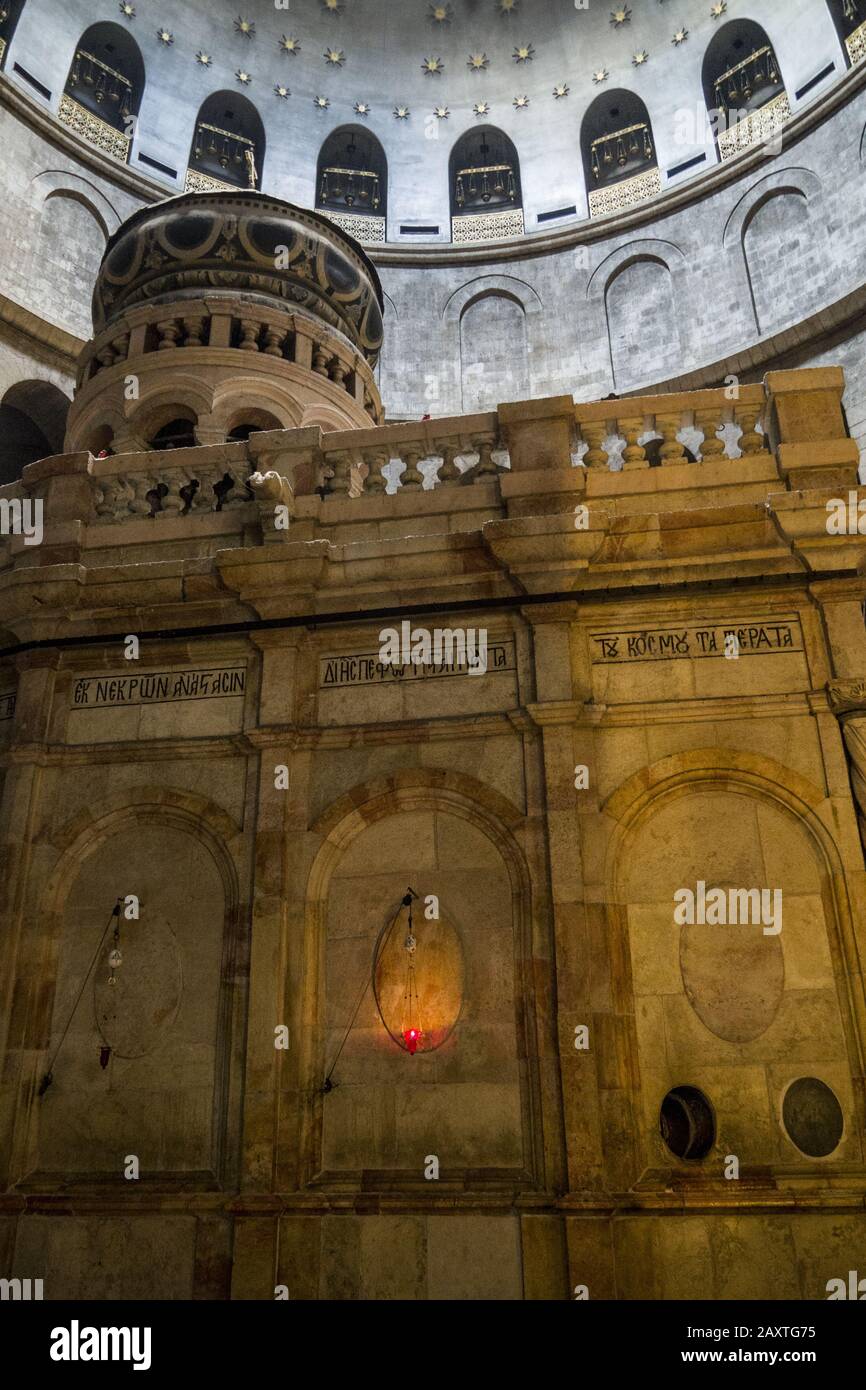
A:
[486,197]
[849,17]
[228,147]
[248,422]
[175,434]
[352,183]
[743,87]
[104,88]
[10,13]
[619,153]
[32,426]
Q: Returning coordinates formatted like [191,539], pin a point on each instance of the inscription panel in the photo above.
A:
[695,642]
[143,705]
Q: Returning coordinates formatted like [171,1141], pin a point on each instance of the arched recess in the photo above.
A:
[10,13]
[32,425]
[67,253]
[185,398]
[484,184]
[168,1022]
[228,144]
[104,88]
[849,19]
[773,227]
[466,854]
[494,351]
[620,162]
[352,181]
[734,1010]
[637,287]
[249,401]
[741,78]
[52,181]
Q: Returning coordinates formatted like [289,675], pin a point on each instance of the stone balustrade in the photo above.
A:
[182,482]
[404,458]
[700,426]
[294,338]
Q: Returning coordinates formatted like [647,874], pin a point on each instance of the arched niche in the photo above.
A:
[104,88]
[228,144]
[494,351]
[10,13]
[620,162]
[742,78]
[484,184]
[32,426]
[352,174]
[849,18]
[243,423]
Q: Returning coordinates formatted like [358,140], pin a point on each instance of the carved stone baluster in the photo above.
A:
[169,332]
[250,329]
[339,372]
[341,479]
[375,482]
[412,477]
[172,479]
[595,435]
[105,356]
[449,472]
[320,361]
[195,332]
[672,451]
[205,499]
[634,454]
[114,497]
[239,493]
[751,442]
[274,340]
[485,467]
[709,423]
[140,503]
[121,347]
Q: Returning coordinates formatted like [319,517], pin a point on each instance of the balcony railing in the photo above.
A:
[755,128]
[92,129]
[487,226]
[856,44]
[363,227]
[617,197]
[197,182]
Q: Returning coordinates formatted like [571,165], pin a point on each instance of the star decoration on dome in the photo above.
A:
[482,108]
[335,57]
[521,102]
[127,10]
[478,62]
[441,14]
[244,77]
[204,58]
[639,58]
[716,11]
[508,6]
[401,113]
[620,17]
[245,27]
[335,6]
[281,91]
[289,44]
[561,89]
[680,37]
[600,75]
[432,67]
[362,108]
[524,53]
[322,103]
[165,36]
[441,113]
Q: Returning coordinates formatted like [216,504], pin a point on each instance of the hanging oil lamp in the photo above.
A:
[410,1024]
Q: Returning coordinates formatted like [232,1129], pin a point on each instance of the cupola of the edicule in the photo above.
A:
[218,314]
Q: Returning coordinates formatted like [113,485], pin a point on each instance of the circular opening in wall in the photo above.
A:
[686,1123]
[812,1117]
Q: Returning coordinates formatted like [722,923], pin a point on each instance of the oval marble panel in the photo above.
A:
[439,976]
[134,1015]
[734,978]
[813,1117]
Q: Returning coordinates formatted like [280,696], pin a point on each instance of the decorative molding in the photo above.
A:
[625,194]
[758,126]
[856,44]
[487,226]
[368,230]
[95,131]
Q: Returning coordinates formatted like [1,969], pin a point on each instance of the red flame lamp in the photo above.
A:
[411,1037]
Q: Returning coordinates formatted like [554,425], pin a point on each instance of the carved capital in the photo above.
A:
[847,696]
